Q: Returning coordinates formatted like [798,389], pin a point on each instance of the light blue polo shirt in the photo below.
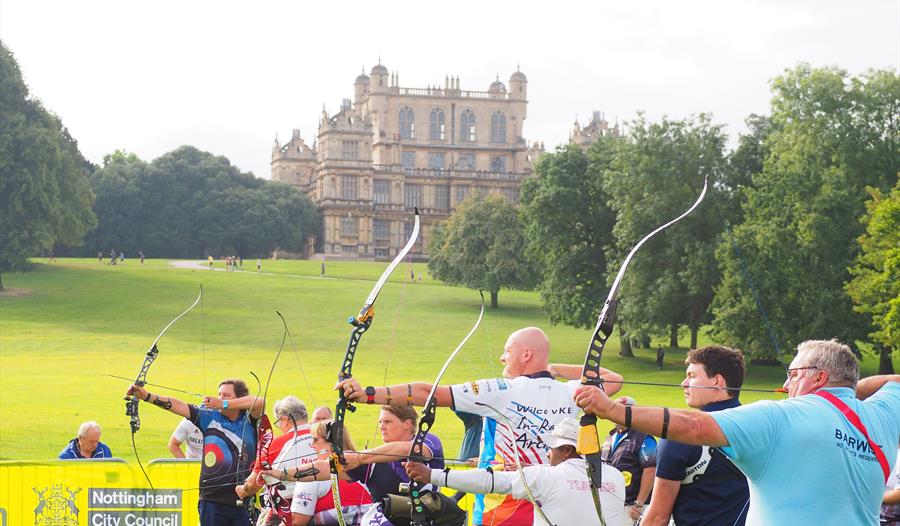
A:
[806,464]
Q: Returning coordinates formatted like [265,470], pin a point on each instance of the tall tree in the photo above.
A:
[875,287]
[568,223]
[482,246]
[45,197]
[831,136]
[654,177]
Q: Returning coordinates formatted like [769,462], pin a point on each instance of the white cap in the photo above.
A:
[564,434]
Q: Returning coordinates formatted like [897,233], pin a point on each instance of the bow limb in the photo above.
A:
[416,451]
[131,402]
[361,324]
[588,440]
[519,469]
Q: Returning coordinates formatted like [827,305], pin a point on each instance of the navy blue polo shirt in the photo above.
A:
[711,493]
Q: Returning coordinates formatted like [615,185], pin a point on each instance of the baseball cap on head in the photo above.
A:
[564,434]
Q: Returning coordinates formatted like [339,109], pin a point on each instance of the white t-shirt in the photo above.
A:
[563,491]
[189,435]
[296,451]
[533,405]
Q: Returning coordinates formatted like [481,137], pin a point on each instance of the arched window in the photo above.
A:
[437,124]
[467,126]
[498,127]
[407,123]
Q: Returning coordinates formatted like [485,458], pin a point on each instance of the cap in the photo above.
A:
[564,434]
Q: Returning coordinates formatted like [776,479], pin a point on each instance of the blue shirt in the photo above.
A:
[711,493]
[806,464]
[229,451]
[73,452]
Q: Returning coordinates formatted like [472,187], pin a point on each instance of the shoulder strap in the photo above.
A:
[853,418]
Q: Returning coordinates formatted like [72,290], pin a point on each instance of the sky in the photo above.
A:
[228,76]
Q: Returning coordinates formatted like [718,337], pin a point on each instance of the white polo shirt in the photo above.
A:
[188,434]
[534,404]
[563,491]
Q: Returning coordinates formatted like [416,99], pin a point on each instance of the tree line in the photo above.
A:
[185,204]
[798,237]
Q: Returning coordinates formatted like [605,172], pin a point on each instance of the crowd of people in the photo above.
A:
[826,455]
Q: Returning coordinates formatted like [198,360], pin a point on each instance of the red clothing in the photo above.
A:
[352,494]
[278,444]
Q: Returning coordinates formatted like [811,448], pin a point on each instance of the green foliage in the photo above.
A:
[45,197]
[875,287]
[569,225]
[831,136]
[655,176]
[482,246]
[189,203]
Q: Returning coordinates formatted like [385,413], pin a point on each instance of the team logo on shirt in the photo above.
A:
[501,384]
[475,388]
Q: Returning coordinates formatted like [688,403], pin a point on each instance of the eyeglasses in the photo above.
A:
[791,375]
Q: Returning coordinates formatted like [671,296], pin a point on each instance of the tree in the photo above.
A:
[655,176]
[45,197]
[875,287]
[831,136]
[482,246]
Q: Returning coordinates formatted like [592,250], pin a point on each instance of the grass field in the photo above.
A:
[65,325]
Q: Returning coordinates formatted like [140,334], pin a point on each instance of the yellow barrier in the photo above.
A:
[106,492]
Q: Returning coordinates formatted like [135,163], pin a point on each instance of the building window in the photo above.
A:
[349,185]
[462,192]
[349,226]
[407,123]
[498,164]
[381,230]
[437,124]
[498,127]
[408,159]
[348,249]
[407,231]
[467,126]
[381,253]
[412,195]
[442,197]
[466,161]
[382,191]
[436,161]
[511,195]
[350,150]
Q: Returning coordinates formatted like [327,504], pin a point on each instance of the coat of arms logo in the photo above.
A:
[56,506]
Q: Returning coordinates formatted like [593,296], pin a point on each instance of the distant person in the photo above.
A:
[141,255]
[258,265]
[322,413]
[210,259]
[412,275]
[660,357]
[190,435]
[323,267]
[240,263]
[112,257]
[87,444]
[100,257]
[122,256]
[50,258]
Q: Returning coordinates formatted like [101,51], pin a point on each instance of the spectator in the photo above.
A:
[87,444]
[189,434]
[634,454]
[322,413]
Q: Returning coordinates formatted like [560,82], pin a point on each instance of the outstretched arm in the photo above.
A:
[173,405]
[470,481]
[573,372]
[866,387]
[690,427]
[400,394]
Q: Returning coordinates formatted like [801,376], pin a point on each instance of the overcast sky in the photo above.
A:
[226,77]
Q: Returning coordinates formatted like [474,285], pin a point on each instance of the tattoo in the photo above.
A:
[165,404]
[310,471]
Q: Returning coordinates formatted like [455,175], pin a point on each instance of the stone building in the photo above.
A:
[584,136]
[392,148]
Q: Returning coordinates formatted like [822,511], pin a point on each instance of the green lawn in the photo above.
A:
[65,325]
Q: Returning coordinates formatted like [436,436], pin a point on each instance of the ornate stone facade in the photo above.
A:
[393,148]
[585,136]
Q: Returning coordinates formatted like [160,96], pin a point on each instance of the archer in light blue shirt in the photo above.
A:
[806,463]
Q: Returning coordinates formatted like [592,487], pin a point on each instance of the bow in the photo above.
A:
[131,402]
[416,453]
[588,441]
[361,324]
